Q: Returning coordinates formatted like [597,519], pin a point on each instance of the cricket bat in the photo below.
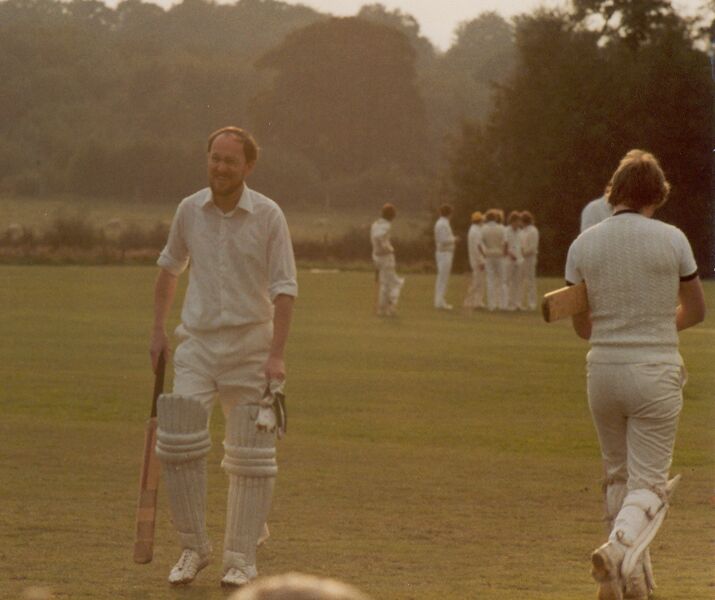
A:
[148,480]
[564,302]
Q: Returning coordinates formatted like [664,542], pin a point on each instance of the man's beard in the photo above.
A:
[226,191]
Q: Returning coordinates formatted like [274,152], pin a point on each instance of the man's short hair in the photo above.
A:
[527,218]
[388,211]
[296,586]
[514,215]
[250,148]
[638,181]
[445,210]
[477,217]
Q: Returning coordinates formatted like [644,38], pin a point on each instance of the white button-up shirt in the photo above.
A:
[240,261]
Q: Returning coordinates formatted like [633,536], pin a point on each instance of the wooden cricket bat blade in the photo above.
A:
[564,302]
[146,505]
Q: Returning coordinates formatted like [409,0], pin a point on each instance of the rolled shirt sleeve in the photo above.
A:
[281,261]
[175,255]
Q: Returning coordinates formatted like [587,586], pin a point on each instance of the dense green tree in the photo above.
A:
[344,95]
[570,111]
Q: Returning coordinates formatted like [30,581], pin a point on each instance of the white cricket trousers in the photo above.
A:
[529,281]
[475,291]
[635,408]
[444,268]
[513,283]
[495,287]
[389,283]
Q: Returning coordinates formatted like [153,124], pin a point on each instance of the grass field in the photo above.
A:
[432,456]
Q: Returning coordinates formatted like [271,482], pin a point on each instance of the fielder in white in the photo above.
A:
[643,288]
[445,241]
[529,237]
[595,211]
[493,243]
[514,261]
[475,291]
[234,326]
[383,256]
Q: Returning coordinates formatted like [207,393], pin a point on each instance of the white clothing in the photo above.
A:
[636,434]
[444,254]
[474,242]
[530,249]
[443,237]
[444,268]
[493,239]
[380,238]
[383,255]
[475,292]
[632,267]
[513,268]
[594,212]
[241,260]
[493,269]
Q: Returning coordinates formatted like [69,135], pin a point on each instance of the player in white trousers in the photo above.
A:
[234,326]
[475,291]
[643,288]
[445,241]
[514,261]
[493,243]
[383,256]
[529,236]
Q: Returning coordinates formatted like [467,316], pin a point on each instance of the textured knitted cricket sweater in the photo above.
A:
[632,266]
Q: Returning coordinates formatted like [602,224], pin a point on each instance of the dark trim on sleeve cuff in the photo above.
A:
[689,277]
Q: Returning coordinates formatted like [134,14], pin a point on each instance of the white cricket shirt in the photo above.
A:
[594,212]
[493,239]
[240,261]
[474,240]
[632,266]
[529,236]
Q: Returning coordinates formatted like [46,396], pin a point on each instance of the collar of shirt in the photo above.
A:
[244,202]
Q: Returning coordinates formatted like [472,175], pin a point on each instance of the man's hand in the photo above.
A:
[275,369]
[159,345]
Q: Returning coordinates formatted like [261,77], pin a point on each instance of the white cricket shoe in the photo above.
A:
[236,577]
[606,570]
[189,564]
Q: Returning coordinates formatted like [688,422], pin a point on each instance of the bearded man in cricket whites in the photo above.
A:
[643,287]
[383,256]
[234,326]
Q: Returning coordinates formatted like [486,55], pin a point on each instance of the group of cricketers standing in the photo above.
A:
[642,285]
[502,259]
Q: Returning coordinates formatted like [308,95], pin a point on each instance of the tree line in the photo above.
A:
[532,113]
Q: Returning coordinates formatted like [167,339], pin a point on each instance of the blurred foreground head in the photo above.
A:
[296,586]
[638,181]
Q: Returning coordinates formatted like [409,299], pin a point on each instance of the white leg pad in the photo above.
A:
[250,462]
[636,525]
[182,444]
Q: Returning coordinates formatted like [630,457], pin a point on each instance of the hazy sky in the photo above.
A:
[438,18]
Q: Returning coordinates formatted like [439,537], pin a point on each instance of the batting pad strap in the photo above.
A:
[250,462]
[182,447]
[182,434]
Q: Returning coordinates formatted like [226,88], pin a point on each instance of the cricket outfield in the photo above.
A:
[431,456]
